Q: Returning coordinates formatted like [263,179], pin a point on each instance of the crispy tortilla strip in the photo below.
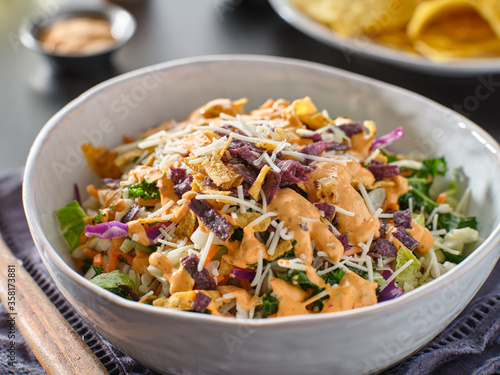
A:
[101,161]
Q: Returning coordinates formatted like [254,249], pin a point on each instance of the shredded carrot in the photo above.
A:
[90,253]
[113,260]
[441,198]
[92,191]
[158,290]
[213,250]
[98,261]
[275,315]
[353,250]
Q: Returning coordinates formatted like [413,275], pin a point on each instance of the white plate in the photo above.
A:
[354,46]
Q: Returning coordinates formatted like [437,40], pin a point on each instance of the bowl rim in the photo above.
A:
[104,11]
[41,240]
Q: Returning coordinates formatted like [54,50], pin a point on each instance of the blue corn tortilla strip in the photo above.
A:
[344,240]
[403,218]
[385,247]
[182,181]
[351,129]
[317,148]
[246,173]
[201,302]
[293,172]
[202,279]
[327,209]
[381,170]
[212,219]
[406,239]
[271,185]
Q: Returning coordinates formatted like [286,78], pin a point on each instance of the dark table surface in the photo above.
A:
[30,92]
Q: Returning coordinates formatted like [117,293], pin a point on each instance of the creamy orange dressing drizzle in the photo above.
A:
[291,298]
[352,292]
[140,262]
[244,299]
[298,214]
[332,183]
[180,280]
[359,173]
[392,193]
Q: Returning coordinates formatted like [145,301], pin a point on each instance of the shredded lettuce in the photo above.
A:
[113,281]
[406,279]
[72,222]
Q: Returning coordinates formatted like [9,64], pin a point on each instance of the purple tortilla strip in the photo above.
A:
[213,220]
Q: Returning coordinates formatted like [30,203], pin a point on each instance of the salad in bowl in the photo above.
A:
[282,210]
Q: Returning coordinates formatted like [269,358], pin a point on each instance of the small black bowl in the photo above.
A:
[122,24]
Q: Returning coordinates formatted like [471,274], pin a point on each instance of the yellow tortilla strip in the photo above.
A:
[448,29]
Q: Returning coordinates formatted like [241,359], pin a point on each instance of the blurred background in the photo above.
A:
[31,91]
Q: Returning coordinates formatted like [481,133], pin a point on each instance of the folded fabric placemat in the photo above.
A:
[469,345]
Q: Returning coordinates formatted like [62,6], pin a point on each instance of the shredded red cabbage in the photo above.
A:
[77,194]
[237,273]
[403,218]
[106,231]
[153,231]
[406,239]
[214,221]
[387,139]
[391,291]
[202,279]
[131,213]
[381,170]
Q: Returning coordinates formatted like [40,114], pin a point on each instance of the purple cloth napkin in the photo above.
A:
[469,345]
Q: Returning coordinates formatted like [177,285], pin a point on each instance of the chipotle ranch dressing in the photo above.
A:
[77,36]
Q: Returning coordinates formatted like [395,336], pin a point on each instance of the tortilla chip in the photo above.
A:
[354,17]
[254,190]
[244,219]
[447,29]
[185,228]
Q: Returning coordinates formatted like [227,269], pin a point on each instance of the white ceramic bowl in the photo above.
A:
[351,342]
